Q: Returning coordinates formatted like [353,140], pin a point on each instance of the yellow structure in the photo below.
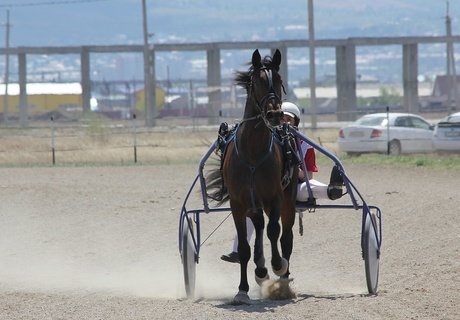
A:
[44,102]
[159,99]
[45,97]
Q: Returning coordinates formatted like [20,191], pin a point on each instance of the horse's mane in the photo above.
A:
[243,78]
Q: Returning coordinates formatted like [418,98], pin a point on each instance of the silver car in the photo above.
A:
[446,135]
[395,133]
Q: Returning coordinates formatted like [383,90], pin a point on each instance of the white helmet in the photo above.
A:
[291,110]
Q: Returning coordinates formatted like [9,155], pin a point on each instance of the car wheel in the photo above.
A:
[395,148]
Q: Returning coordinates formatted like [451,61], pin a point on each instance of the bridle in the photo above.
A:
[262,105]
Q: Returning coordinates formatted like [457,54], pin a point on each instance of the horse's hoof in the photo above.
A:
[284,267]
[261,280]
[241,298]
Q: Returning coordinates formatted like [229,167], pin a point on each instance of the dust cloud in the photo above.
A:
[48,253]
[37,256]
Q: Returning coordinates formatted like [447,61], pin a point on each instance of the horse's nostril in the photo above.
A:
[269,114]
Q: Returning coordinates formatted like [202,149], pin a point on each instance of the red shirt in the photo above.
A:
[309,156]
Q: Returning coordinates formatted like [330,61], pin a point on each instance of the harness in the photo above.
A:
[280,135]
[253,167]
[290,154]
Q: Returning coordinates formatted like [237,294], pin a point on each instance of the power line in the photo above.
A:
[47,3]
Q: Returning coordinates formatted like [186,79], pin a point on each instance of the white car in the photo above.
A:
[446,136]
[394,133]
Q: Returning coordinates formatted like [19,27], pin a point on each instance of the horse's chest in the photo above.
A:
[242,178]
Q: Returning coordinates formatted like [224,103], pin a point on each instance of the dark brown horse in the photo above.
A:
[252,171]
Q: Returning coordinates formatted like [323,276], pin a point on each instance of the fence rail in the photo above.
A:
[124,142]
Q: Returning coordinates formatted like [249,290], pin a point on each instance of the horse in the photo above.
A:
[251,173]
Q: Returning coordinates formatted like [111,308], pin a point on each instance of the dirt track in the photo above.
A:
[101,243]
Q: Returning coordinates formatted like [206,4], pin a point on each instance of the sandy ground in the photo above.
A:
[101,243]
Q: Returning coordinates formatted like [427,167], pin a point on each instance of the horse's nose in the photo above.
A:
[274,115]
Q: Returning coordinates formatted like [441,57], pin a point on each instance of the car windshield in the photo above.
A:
[372,121]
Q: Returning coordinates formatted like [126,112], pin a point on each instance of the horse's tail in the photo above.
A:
[215,187]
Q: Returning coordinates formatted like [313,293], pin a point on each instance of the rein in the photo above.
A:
[259,116]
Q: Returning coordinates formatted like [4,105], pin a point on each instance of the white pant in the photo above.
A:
[249,232]
[318,189]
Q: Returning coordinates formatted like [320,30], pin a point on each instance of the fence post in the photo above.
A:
[303,118]
[134,138]
[53,150]
[388,130]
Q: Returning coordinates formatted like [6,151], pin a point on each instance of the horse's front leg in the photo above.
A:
[287,237]
[261,272]
[244,253]
[279,265]
[288,215]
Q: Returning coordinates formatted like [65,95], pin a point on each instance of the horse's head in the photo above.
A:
[265,87]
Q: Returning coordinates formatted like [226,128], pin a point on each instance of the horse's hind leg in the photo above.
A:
[261,272]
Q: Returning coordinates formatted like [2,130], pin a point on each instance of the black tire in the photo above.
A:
[395,148]
[371,253]
[188,260]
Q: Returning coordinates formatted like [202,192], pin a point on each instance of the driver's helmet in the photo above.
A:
[291,110]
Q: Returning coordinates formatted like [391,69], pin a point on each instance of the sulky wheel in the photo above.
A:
[371,253]
[188,259]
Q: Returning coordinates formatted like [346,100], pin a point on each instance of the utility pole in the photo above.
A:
[148,77]
[311,46]
[451,72]
[7,69]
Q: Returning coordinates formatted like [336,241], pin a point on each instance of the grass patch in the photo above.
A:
[437,161]
[98,144]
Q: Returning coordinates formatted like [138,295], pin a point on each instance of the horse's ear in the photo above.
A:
[276,60]
[256,59]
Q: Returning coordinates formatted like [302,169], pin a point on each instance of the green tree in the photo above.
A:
[388,97]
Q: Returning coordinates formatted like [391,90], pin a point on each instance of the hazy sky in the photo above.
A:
[77,22]
[104,22]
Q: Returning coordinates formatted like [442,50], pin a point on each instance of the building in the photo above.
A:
[43,97]
[438,100]
[117,100]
